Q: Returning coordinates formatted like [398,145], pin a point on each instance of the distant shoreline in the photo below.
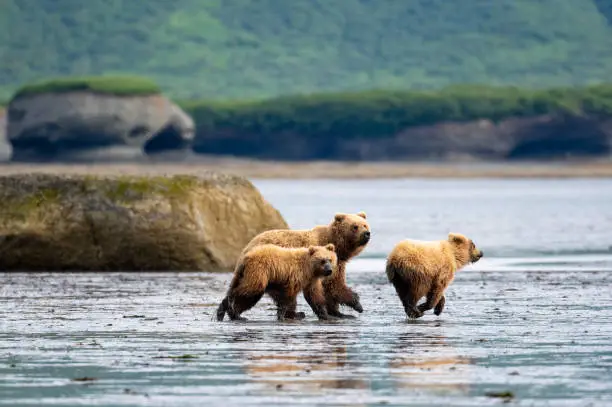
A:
[330,170]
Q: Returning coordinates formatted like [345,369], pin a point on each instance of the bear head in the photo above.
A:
[464,248]
[323,259]
[350,234]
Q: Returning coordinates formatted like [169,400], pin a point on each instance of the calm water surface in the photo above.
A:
[533,318]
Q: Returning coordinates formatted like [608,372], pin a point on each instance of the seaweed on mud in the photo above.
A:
[179,357]
[506,395]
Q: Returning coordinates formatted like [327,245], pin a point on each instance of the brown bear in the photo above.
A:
[417,269]
[282,273]
[349,233]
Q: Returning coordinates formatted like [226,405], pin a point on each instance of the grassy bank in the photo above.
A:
[382,113]
[112,85]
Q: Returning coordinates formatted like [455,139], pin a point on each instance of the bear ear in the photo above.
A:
[361,214]
[312,250]
[456,238]
[339,217]
[330,247]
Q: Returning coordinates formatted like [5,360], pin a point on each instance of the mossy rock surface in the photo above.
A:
[148,223]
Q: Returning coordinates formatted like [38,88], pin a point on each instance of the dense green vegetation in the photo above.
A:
[114,85]
[383,113]
[215,49]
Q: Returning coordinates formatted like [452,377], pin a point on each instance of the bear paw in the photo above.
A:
[414,313]
[440,306]
[339,315]
[295,315]
[355,303]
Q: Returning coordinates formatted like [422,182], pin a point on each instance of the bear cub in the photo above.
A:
[349,233]
[425,269]
[282,273]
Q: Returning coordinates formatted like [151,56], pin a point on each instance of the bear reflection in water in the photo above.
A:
[427,362]
[313,364]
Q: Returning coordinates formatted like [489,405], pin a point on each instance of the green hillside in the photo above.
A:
[259,48]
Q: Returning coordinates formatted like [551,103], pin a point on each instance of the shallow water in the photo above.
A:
[534,317]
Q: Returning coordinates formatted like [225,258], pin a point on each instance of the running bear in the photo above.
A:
[417,269]
[282,273]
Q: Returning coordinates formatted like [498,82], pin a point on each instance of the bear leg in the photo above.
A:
[337,293]
[246,290]
[440,306]
[333,300]
[286,309]
[412,311]
[222,309]
[333,310]
[291,313]
[242,303]
[434,296]
[406,296]
[225,303]
[289,305]
[315,297]
[285,306]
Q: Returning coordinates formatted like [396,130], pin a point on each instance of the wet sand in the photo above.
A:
[333,170]
[539,332]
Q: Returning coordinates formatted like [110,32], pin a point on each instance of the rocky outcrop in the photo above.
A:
[539,137]
[51,222]
[515,138]
[88,126]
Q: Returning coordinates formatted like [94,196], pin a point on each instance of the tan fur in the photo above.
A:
[425,269]
[347,233]
[282,273]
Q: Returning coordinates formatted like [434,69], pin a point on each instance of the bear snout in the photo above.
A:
[478,255]
[365,237]
[327,269]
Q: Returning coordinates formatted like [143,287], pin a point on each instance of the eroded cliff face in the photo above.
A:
[539,137]
[78,222]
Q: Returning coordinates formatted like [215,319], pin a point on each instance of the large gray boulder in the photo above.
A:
[154,223]
[83,125]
